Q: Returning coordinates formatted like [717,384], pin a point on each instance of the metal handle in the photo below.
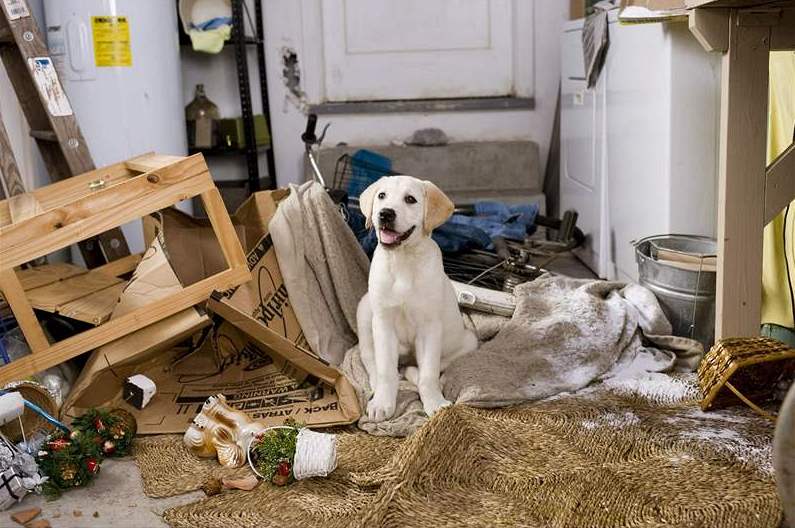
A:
[309,136]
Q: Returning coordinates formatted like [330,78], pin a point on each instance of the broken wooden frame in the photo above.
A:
[84,206]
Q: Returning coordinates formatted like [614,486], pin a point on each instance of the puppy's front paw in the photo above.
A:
[433,404]
[381,407]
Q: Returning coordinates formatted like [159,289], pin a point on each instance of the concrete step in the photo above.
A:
[489,170]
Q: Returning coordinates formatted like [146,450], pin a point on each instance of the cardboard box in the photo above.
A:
[261,310]
[255,354]
[108,366]
[255,379]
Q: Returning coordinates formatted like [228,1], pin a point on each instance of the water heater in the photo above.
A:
[120,65]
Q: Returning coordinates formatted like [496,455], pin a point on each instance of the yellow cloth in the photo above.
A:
[210,41]
[777,259]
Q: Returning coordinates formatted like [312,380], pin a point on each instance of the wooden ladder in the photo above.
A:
[52,122]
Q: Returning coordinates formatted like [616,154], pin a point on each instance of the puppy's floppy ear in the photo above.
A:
[438,207]
[366,203]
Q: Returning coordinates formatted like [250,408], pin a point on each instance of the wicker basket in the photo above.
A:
[35,393]
[754,365]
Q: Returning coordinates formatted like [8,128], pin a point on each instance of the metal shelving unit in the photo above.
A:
[241,42]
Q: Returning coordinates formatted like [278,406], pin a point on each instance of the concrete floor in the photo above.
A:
[116,495]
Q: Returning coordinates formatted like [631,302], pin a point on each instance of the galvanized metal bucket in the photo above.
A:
[687,296]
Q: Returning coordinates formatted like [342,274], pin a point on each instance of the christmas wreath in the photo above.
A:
[114,430]
[69,460]
[72,459]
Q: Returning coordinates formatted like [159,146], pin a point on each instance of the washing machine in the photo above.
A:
[639,151]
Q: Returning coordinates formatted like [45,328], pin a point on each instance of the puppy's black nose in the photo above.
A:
[386,216]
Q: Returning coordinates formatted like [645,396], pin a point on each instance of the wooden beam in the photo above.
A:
[26,319]
[23,206]
[780,183]
[94,209]
[711,28]
[122,266]
[99,211]
[150,161]
[222,224]
[741,181]
[121,326]
[9,170]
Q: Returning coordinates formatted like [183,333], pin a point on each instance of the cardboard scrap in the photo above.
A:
[254,379]
[104,373]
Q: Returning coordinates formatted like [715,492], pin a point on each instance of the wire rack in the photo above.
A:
[353,174]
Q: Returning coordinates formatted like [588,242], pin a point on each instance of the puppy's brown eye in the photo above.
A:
[381,195]
[409,199]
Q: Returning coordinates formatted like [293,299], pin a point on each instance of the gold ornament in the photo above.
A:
[127,421]
[68,472]
[219,430]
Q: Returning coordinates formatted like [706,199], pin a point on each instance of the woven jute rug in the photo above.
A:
[606,457]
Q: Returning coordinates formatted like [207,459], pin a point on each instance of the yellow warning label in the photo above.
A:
[111,40]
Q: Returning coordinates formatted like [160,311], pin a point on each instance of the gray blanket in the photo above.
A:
[323,266]
[564,334]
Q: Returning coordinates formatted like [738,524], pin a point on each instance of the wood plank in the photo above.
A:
[53,295]
[151,161]
[26,319]
[780,183]
[222,225]
[711,28]
[66,191]
[46,135]
[23,206]
[97,212]
[122,266]
[12,183]
[37,276]
[121,326]
[741,181]
[95,308]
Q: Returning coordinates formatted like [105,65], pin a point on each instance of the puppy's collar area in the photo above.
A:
[391,239]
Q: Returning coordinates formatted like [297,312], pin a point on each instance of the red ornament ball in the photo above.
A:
[92,465]
[283,469]
[98,425]
[108,447]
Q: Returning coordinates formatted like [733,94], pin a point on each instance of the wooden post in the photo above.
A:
[741,182]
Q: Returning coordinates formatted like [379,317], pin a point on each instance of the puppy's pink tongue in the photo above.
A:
[389,237]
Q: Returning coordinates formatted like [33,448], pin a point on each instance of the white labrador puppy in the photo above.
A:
[410,305]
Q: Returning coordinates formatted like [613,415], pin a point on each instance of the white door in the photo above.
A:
[416,49]
[341,53]
[582,152]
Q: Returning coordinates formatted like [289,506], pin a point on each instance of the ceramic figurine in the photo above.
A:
[219,430]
